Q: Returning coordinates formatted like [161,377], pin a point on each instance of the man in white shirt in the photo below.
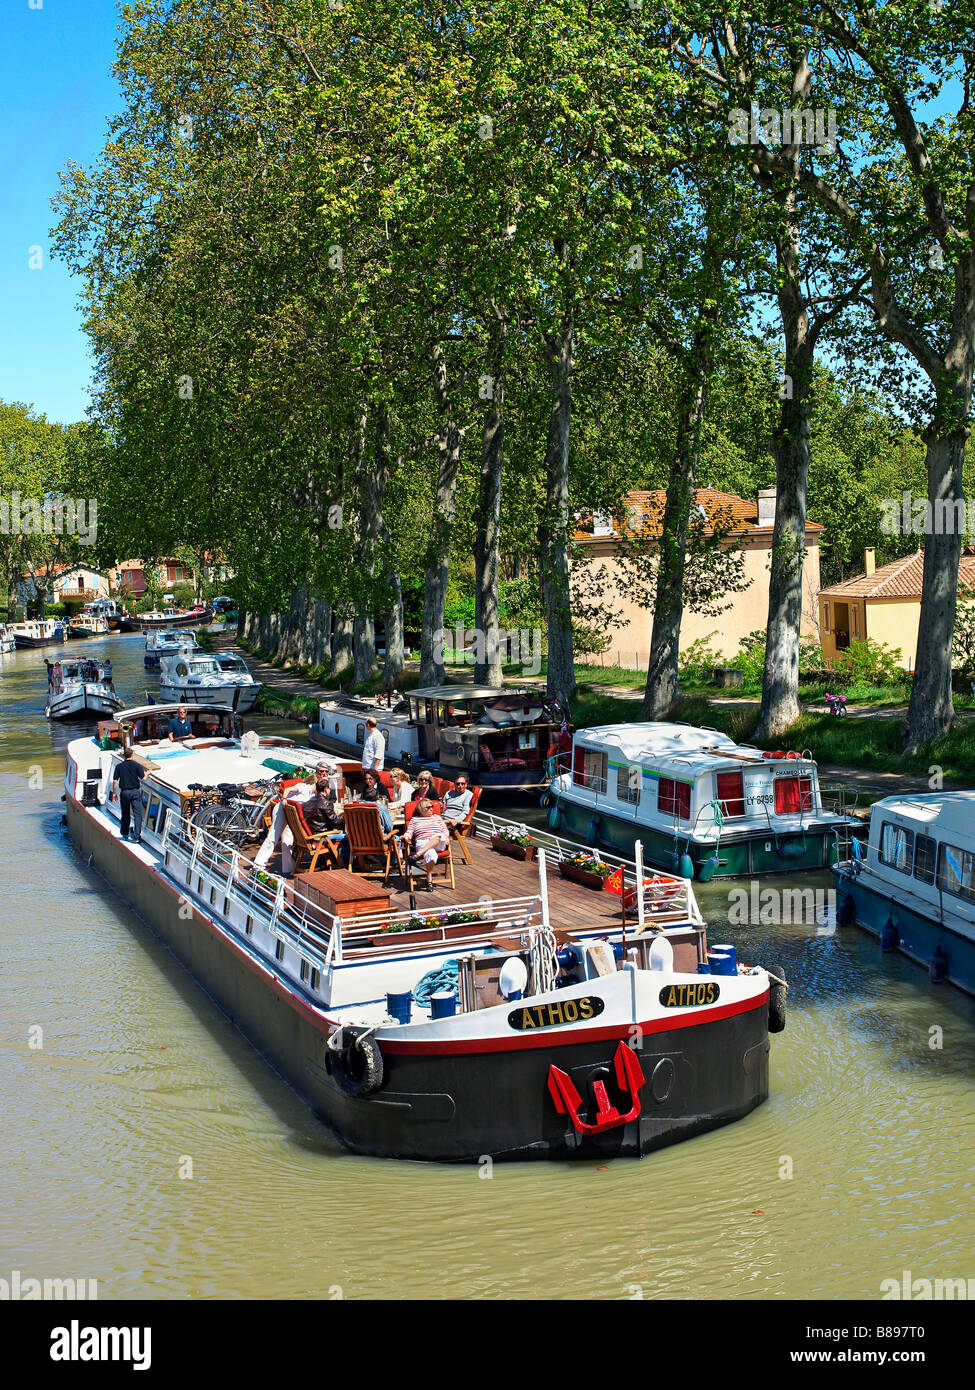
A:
[302,791]
[374,748]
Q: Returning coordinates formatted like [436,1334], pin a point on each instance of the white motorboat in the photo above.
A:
[7,643]
[194,676]
[81,690]
[169,641]
[88,625]
[39,632]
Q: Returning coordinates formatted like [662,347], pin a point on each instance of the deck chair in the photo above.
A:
[307,842]
[368,840]
[444,856]
[460,829]
[494,764]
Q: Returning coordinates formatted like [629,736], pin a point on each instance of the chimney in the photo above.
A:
[869,560]
[766,506]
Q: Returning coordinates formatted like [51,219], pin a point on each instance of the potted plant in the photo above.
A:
[515,841]
[587,870]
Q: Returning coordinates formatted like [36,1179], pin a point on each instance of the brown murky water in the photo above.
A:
[858,1167]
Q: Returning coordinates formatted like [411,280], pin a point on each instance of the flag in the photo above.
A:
[614,884]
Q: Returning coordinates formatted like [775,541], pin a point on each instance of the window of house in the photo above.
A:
[925,858]
[956,872]
[856,621]
[674,798]
[602,524]
[792,795]
[730,787]
[826,627]
[628,783]
[897,847]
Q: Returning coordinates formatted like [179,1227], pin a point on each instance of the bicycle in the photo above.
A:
[836,703]
[227,816]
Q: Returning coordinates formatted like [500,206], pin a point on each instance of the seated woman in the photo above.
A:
[374,791]
[425,837]
[424,786]
[403,790]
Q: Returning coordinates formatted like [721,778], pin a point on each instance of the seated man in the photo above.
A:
[425,837]
[457,803]
[179,726]
[319,810]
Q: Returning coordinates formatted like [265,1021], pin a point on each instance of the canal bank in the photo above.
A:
[167,1160]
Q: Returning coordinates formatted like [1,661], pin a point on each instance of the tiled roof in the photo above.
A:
[724,510]
[899,579]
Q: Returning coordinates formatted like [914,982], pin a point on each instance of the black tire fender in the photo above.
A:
[356,1062]
[776,1001]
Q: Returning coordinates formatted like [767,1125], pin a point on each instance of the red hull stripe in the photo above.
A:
[562,1037]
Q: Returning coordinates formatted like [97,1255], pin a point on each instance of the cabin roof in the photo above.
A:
[457,692]
[140,711]
[951,812]
[681,745]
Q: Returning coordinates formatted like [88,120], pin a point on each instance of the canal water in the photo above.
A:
[146,1145]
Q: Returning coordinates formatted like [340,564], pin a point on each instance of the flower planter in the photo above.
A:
[457,932]
[513,851]
[576,875]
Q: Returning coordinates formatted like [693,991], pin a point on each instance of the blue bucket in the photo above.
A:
[443,1004]
[703,968]
[723,960]
[400,1006]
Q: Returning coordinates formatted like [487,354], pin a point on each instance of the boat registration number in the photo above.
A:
[685,996]
[557,1014]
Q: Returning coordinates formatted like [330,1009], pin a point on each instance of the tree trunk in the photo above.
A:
[663,685]
[363,644]
[931,708]
[790,444]
[487,541]
[395,662]
[437,570]
[342,643]
[554,531]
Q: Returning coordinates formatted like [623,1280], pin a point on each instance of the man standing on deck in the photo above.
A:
[180,727]
[129,775]
[374,748]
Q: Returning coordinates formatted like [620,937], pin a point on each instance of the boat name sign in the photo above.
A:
[686,996]
[555,1015]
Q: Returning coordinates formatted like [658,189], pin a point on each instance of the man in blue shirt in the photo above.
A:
[180,727]
[129,775]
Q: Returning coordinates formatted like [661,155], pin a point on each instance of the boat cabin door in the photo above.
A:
[425,718]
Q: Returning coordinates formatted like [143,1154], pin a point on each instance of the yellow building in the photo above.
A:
[748,523]
[884,605]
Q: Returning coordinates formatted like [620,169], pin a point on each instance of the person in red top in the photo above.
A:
[426,835]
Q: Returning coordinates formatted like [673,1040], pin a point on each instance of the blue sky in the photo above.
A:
[56,94]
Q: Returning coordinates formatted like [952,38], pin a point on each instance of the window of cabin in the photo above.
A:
[925,858]
[730,787]
[305,970]
[249,926]
[674,798]
[279,950]
[595,769]
[826,626]
[628,781]
[956,872]
[897,847]
[792,795]
[360,733]
[316,978]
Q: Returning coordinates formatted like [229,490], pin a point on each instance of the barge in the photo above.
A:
[521,1016]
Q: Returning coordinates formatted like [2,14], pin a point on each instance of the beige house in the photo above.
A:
[747,523]
[884,605]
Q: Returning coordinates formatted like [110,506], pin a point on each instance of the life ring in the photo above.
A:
[356,1064]
[791,755]
[545,800]
[776,1002]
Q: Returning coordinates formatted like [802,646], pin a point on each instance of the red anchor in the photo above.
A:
[567,1100]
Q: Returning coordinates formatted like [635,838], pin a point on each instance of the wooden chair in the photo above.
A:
[306,842]
[367,839]
[444,856]
[494,764]
[460,829]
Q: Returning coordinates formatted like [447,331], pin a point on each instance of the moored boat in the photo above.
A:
[699,803]
[81,690]
[39,632]
[526,1020]
[168,641]
[88,625]
[7,643]
[913,883]
[502,739]
[197,675]
[198,616]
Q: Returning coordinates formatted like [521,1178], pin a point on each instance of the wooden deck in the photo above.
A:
[494,875]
